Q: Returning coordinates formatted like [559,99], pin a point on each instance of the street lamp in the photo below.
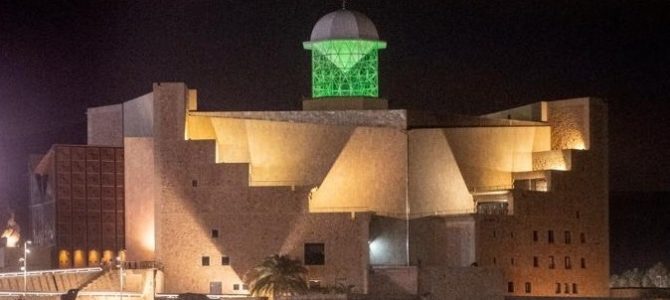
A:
[24,268]
[120,266]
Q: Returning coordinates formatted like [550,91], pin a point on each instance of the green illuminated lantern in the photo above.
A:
[344,46]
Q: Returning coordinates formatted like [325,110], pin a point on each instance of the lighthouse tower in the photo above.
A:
[345,68]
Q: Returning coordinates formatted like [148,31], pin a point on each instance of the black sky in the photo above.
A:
[59,57]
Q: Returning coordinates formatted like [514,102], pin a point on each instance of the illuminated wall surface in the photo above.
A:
[342,68]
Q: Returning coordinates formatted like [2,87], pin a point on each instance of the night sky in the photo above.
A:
[59,57]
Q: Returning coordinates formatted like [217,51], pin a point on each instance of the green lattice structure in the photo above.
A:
[345,68]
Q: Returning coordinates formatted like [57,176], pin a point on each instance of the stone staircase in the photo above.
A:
[108,285]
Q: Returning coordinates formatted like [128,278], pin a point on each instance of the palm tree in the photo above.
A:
[277,276]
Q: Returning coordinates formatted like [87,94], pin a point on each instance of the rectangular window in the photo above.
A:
[568,265]
[566,288]
[582,237]
[236,287]
[215,233]
[494,233]
[494,261]
[574,288]
[194,183]
[511,260]
[535,237]
[558,288]
[551,262]
[205,260]
[245,287]
[528,288]
[225,260]
[510,287]
[536,261]
[550,236]
[583,263]
[568,237]
[315,254]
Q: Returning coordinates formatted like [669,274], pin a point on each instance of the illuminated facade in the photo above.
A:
[385,200]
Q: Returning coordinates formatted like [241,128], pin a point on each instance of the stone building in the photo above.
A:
[386,200]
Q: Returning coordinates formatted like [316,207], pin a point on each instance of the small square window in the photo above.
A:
[245,287]
[550,236]
[314,284]
[582,237]
[194,183]
[236,287]
[225,260]
[536,262]
[528,287]
[510,287]
[215,233]
[315,254]
[205,260]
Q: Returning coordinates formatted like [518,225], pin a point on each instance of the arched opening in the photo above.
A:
[64,260]
[79,259]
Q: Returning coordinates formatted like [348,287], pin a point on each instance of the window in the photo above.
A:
[236,287]
[512,260]
[583,263]
[568,237]
[511,234]
[568,265]
[582,237]
[315,254]
[574,288]
[313,284]
[527,285]
[551,262]
[558,288]
[494,260]
[535,237]
[566,288]
[194,183]
[577,214]
[245,287]
[494,233]
[215,233]
[550,236]
[510,287]
[536,262]
[225,260]
[205,260]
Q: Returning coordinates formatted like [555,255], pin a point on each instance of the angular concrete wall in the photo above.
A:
[105,125]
